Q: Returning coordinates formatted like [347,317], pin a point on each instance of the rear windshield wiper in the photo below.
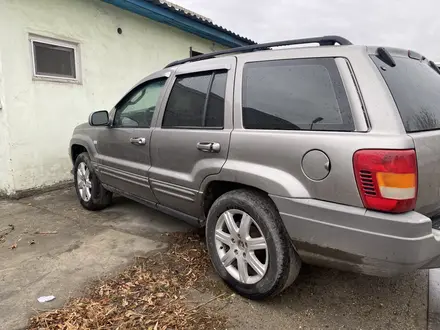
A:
[385,56]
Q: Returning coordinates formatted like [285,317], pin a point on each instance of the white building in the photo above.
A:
[62,59]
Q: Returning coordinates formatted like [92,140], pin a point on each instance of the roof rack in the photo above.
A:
[322,41]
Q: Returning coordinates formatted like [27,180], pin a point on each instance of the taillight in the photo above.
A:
[387,179]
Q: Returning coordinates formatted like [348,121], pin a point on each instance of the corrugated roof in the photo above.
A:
[198,18]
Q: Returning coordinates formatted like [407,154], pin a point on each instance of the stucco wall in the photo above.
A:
[6,183]
[41,115]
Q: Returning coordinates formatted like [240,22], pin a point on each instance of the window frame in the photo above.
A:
[337,80]
[213,73]
[61,43]
[132,92]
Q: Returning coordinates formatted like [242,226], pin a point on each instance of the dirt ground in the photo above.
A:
[90,246]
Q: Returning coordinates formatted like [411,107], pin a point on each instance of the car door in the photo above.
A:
[124,148]
[191,140]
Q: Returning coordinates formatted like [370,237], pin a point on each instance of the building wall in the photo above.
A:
[6,183]
[41,115]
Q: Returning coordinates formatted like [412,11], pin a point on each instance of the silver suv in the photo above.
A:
[328,155]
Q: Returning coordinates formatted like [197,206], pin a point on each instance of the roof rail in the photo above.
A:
[322,41]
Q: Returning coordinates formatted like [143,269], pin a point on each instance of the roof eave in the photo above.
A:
[171,18]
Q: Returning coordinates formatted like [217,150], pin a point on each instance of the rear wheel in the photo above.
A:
[91,194]
[249,246]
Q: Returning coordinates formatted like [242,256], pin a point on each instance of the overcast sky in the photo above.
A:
[411,24]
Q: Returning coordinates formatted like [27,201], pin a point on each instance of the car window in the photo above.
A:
[415,87]
[196,101]
[137,108]
[300,94]
[215,111]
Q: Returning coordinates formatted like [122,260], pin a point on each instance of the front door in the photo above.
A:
[191,140]
[124,148]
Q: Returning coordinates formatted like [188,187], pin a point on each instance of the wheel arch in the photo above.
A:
[266,180]
[80,144]
[76,150]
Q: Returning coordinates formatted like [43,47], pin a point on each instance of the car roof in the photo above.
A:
[278,52]
[294,52]
[321,41]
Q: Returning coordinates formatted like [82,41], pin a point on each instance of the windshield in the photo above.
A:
[415,87]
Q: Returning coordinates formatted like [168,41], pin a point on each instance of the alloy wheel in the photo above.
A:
[241,246]
[83,181]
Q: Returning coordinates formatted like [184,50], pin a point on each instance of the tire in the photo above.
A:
[283,263]
[97,197]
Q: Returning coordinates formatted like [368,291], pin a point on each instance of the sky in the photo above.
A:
[411,24]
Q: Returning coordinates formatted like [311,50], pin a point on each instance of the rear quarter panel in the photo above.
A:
[428,162]
[271,159]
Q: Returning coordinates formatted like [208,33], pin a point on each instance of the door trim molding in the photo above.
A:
[173,190]
[124,176]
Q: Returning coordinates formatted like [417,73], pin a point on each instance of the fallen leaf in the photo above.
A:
[129,313]
[154,288]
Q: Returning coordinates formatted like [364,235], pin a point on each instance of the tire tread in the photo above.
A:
[288,261]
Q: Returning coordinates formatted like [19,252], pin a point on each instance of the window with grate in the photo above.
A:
[54,59]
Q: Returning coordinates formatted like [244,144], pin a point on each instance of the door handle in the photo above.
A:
[208,146]
[138,141]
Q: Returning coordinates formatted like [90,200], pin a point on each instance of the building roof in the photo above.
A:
[181,9]
[169,13]
[197,17]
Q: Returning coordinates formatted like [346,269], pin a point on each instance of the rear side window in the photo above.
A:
[415,87]
[301,94]
[197,100]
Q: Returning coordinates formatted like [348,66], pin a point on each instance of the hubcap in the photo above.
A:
[241,246]
[83,182]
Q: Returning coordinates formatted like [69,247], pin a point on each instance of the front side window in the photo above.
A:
[300,94]
[54,59]
[197,100]
[137,108]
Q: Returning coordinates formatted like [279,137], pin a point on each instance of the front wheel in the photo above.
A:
[249,246]
[91,194]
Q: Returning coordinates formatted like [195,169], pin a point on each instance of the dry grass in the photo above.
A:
[148,295]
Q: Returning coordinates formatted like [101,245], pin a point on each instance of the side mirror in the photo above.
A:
[99,118]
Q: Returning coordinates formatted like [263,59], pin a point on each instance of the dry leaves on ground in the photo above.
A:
[148,295]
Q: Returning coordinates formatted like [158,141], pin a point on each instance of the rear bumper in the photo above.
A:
[360,240]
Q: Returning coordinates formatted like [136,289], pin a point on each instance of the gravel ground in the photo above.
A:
[319,299]
[329,299]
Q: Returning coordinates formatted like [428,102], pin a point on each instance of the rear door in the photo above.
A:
[415,87]
[191,140]
[124,148]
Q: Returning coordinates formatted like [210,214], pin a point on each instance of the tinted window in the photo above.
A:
[415,87]
[137,108]
[304,94]
[215,112]
[196,101]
